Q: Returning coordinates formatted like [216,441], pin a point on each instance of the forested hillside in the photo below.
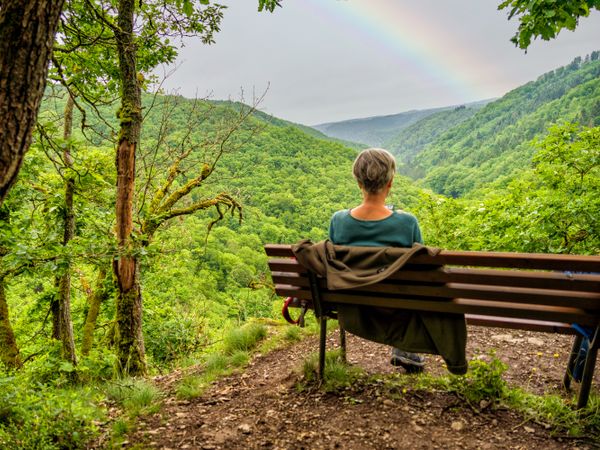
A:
[413,139]
[496,142]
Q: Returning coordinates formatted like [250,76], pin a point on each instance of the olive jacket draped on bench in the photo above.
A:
[347,267]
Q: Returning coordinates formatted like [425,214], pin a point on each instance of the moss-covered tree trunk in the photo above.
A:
[128,338]
[27,29]
[9,352]
[64,322]
[95,299]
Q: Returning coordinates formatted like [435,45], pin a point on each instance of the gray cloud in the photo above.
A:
[324,68]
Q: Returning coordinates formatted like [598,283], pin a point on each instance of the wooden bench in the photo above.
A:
[536,292]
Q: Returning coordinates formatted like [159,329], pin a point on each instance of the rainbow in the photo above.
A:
[421,47]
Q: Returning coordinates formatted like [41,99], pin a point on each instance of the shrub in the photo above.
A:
[482,381]
[33,417]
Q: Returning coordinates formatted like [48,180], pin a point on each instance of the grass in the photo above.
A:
[338,374]
[136,396]
[244,338]
[233,354]
[236,350]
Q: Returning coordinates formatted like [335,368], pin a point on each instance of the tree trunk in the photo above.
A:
[95,299]
[129,341]
[55,310]
[9,352]
[65,324]
[27,29]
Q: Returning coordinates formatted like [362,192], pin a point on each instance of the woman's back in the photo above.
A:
[399,229]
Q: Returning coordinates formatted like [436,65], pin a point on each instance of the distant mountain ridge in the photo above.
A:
[375,131]
[278,122]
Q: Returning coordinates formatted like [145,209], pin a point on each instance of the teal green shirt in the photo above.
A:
[400,229]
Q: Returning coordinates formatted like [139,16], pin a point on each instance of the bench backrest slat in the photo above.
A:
[543,280]
[584,300]
[533,261]
[531,279]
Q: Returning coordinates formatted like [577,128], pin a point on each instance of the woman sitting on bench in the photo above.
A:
[374,224]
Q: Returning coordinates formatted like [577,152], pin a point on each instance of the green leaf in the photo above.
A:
[188,8]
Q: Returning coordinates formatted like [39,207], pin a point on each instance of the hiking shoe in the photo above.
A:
[411,362]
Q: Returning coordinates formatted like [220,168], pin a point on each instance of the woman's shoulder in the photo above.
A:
[404,216]
[341,214]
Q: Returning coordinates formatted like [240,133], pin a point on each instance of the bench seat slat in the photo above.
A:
[285,265]
[505,322]
[522,324]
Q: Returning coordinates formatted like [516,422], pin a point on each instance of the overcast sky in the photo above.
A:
[331,60]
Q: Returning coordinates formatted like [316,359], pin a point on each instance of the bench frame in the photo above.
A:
[535,292]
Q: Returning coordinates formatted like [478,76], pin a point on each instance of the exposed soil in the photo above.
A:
[260,408]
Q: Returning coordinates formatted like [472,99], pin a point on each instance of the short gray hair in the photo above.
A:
[374,168]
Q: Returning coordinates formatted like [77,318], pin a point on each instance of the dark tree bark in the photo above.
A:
[27,29]
[128,339]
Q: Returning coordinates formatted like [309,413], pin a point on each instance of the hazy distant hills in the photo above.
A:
[276,121]
[376,131]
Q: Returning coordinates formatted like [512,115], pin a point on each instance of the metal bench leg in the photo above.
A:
[586,381]
[322,345]
[343,343]
[571,364]
[588,370]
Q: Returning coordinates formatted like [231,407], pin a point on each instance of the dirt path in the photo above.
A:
[260,408]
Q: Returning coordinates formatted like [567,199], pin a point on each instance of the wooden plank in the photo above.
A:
[583,300]
[514,278]
[457,305]
[279,250]
[520,324]
[509,278]
[468,306]
[532,261]
[505,322]
[285,265]
[541,280]
[539,261]
[293,279]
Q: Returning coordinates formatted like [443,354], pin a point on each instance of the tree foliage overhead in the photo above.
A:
[545,18]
